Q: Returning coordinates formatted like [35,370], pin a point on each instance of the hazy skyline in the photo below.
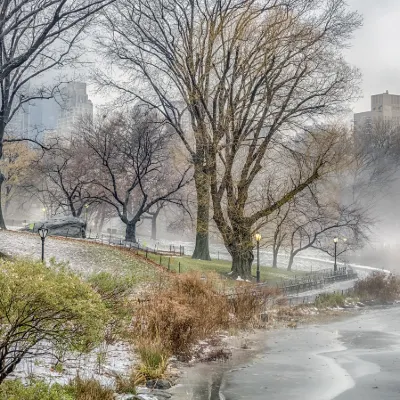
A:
[375,49]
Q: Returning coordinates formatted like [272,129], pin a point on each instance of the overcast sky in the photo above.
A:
[376,48]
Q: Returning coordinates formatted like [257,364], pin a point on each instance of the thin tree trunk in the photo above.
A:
[2,221]
[202,182]
[275,251]
[130,233]
[154,226]
[290,263]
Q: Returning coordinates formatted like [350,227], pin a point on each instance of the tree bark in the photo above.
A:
[242,259]
[154,227]
[275,251]
[2,221]
[130,233]
[290,263]
[202,183]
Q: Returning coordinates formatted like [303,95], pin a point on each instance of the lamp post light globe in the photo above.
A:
[257,236]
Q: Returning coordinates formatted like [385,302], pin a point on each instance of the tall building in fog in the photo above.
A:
[34,119]
[75,105]
[384,107]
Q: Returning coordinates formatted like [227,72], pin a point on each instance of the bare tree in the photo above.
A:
[240,73]
[66,178]
[36,36]
[130,153]
[317,225]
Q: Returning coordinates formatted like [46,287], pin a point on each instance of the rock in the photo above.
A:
[161,394]
[61,226]
[125,397]
[158,384]
[360,304]
[264,317]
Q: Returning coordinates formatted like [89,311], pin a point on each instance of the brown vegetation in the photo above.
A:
[190,308]
[378,286]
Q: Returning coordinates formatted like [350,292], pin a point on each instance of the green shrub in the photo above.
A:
[89,389]
[114,291]
[330,300]
[35,390]
[40,304]
[154,359]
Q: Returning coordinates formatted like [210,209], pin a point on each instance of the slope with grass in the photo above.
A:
[83,257]
[187,264]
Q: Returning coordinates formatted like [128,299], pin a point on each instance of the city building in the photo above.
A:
[384,107]
[75,105]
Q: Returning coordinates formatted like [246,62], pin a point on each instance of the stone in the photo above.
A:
[158,384]
[161,394]
[264,317]
[61,226]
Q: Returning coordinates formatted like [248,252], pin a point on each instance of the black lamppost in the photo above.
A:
[335,240]
[258,238]
[43,233]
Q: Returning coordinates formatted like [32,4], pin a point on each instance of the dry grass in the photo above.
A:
[190,308]
[90,389]
[379,287]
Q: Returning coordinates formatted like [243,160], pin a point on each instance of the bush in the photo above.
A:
[189,309]
[89,389]
[114,291]
[378,286]
[36,390]
[325,300]
[154,360]
[48,306]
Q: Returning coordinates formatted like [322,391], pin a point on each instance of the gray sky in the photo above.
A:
[376,48]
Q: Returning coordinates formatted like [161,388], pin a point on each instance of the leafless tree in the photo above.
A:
[130,153]
[66,178]
[230,77]
[36,36]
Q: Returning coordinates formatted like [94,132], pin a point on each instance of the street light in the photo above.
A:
[44,212]
[258,238]
[43,233]
[335,240]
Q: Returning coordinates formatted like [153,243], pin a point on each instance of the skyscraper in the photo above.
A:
[384,107]
[75,105]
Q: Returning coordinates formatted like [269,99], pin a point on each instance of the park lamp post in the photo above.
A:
[43,233]
[335,240]
[258,238]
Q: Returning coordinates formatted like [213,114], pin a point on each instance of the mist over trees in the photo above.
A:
[36,37]
[233,103]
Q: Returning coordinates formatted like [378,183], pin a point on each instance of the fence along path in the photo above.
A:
[304,283]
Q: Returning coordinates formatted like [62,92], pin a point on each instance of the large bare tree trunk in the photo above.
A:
[202,182]
[2,222]
[242,260]
[130,233]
